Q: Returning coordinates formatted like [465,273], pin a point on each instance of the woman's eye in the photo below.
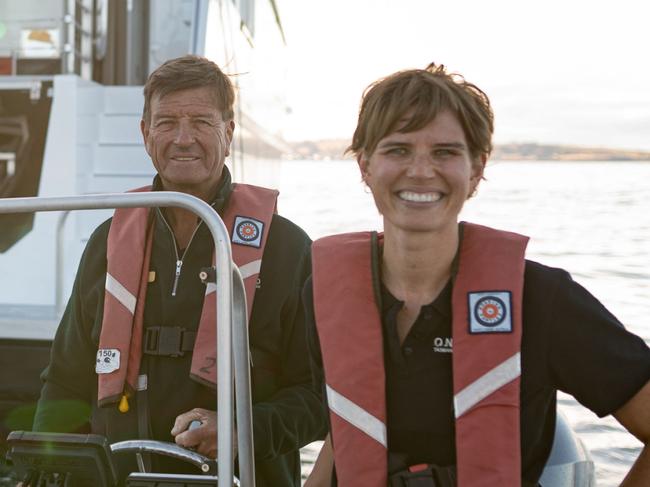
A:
[397,151]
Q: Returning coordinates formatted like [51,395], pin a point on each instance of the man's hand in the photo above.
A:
[202,439]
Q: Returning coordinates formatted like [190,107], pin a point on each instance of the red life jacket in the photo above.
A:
[128,253]
[486,328]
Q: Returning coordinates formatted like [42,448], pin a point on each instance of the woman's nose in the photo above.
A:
[422,165]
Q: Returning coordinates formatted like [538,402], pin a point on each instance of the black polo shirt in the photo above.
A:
[421,423]
[570,342]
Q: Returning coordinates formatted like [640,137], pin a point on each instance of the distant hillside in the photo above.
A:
[319,149]
[334,149]
[538,152]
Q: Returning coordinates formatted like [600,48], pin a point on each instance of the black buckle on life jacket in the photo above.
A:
[170,341]
[424,476]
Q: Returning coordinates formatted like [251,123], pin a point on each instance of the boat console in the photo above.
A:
[53,459]
[78,460]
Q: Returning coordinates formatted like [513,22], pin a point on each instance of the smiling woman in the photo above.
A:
[485,413]
[421,179]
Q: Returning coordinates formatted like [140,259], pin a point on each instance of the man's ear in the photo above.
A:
[230,131]
[144,129]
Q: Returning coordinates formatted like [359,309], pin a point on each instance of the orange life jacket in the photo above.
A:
[486,328]
[128,254]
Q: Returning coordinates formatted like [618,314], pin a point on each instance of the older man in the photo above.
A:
[134,354]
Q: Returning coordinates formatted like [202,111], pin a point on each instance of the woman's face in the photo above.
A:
[420,180]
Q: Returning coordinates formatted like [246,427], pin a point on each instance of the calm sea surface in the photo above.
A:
[590,218]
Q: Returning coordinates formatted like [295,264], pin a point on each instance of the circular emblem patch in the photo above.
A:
[247,231]
[490,311]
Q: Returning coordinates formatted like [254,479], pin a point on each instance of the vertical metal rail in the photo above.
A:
[68,37]
[86,38]
[59,277]
[128,52]
[225,305]
[242,380]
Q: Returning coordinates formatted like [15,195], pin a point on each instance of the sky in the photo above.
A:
[558,72]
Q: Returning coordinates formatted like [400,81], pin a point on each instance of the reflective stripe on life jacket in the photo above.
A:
[247,217]
[486,305]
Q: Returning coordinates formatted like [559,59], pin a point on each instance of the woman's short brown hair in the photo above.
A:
[188,72]
[419,95]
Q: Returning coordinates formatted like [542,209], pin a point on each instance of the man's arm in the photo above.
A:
[635,417]
[294,415]
[69,379]
[291,416]
[287,410]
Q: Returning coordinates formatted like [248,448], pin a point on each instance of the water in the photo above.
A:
[590,218]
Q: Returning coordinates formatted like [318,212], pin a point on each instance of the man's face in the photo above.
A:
[188,140]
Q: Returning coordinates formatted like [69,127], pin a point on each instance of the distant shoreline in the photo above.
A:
[335,148]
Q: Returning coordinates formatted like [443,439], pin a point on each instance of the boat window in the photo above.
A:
[24,116]
[31,33]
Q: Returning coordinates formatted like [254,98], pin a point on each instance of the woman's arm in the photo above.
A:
[321,474]
[635,417]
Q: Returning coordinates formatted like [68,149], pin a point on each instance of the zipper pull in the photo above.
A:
[179,264]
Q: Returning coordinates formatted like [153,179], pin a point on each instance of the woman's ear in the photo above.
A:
[363,163]
[478,169]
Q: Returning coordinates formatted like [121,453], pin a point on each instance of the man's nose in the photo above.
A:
[184,134]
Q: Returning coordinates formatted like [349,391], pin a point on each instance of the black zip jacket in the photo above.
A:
[286,408]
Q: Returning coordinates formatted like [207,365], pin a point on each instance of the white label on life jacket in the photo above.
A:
[490,312]
[108,360]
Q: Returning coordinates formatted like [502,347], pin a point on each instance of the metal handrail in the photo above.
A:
[242,381]
[229,304]
[164,448]
[59,264]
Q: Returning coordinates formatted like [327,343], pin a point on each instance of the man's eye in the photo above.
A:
[445,152]
[163,123]
[397,151]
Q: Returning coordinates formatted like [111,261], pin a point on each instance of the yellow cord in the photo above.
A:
[124,404]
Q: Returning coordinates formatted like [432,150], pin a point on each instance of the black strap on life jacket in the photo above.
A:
[170,341]
[424,476]
[431,476]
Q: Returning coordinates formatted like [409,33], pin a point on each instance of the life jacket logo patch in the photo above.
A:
[247,231]
[490,312]
[108,360]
